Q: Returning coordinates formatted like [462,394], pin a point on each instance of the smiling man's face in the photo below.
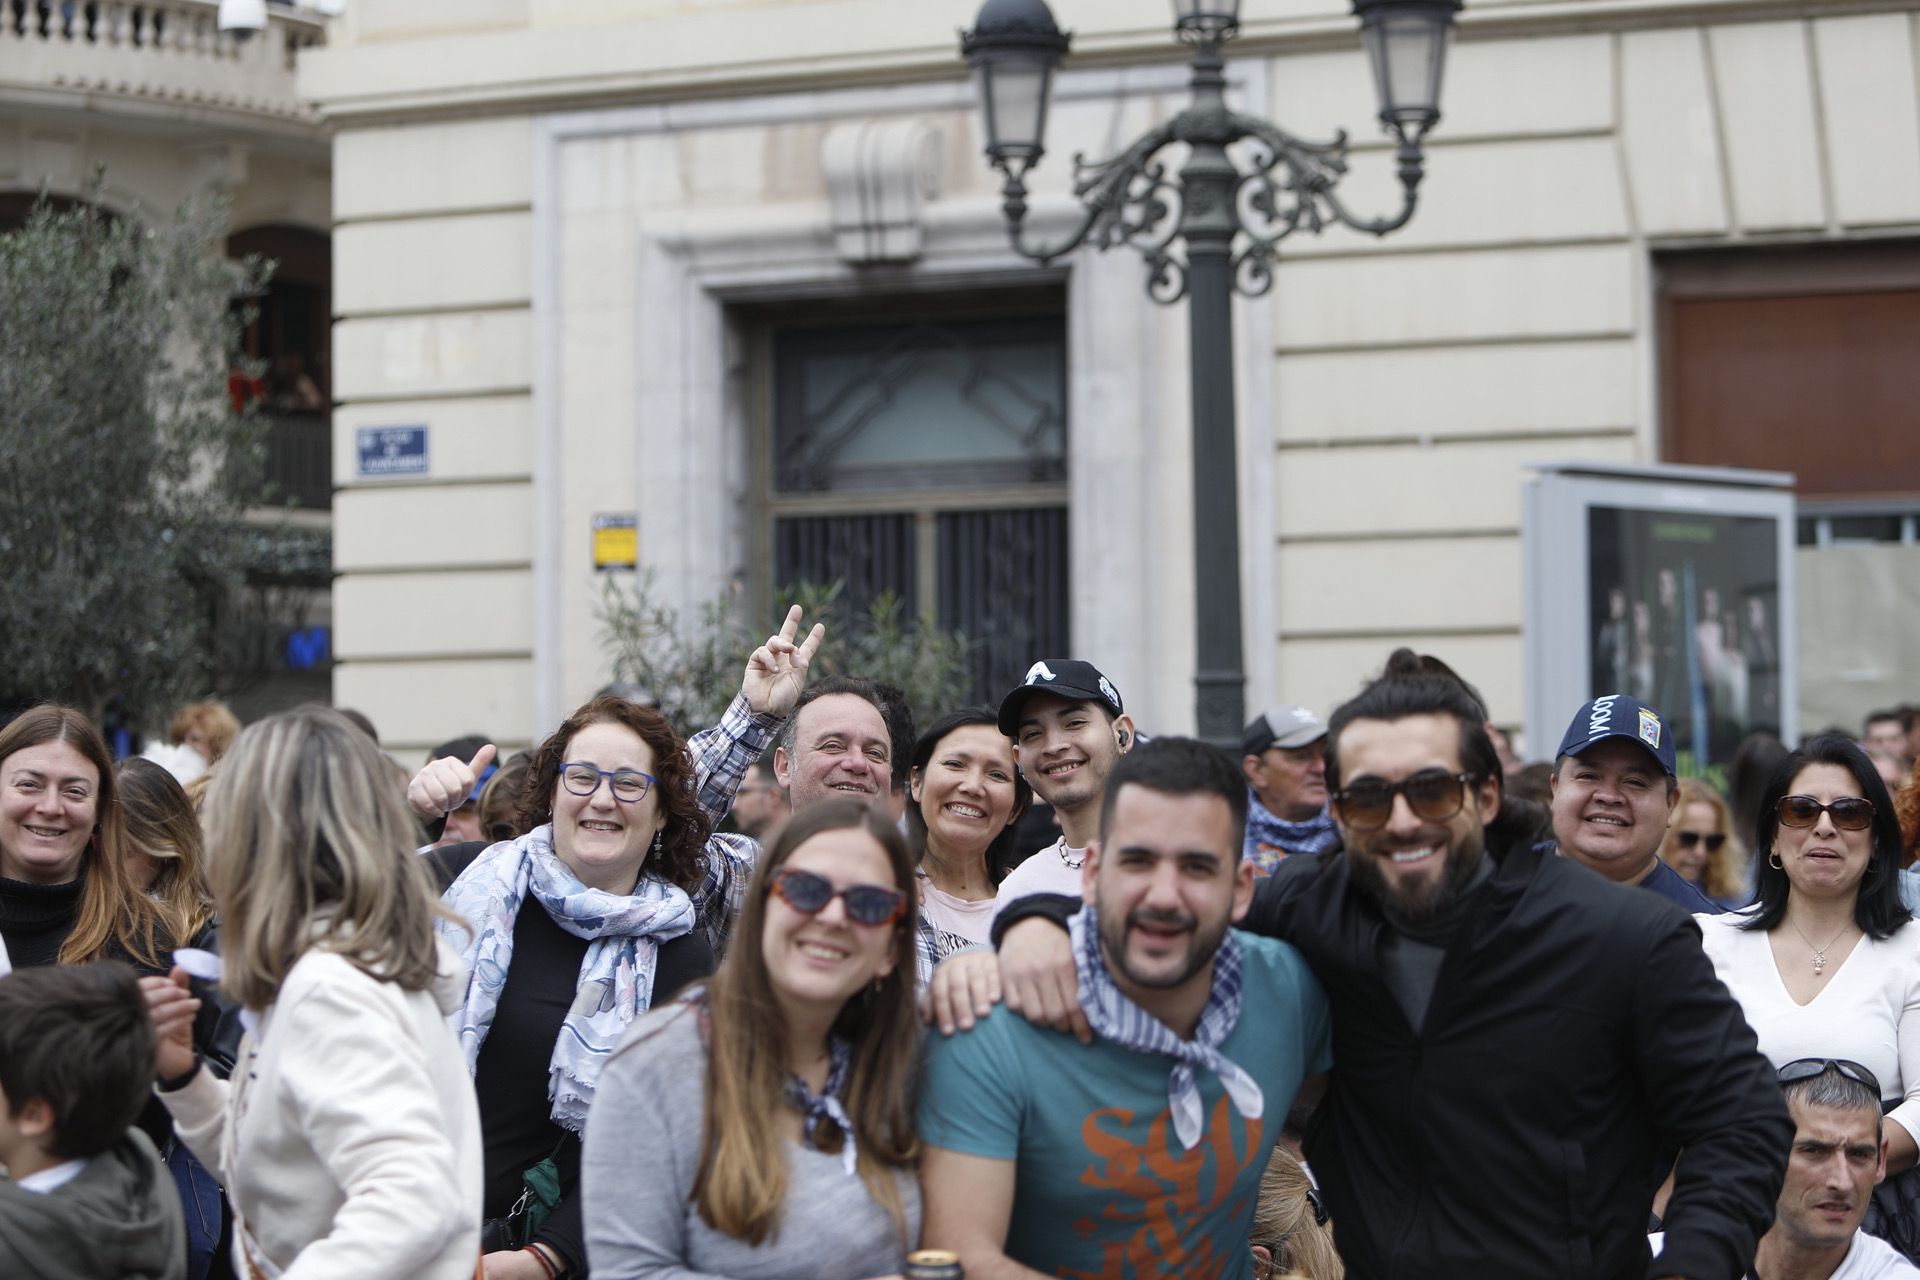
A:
[840,748]
[1414,866]
[1066,749]
[1611,806]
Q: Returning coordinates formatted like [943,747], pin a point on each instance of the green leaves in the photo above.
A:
[124,471]
[692,666]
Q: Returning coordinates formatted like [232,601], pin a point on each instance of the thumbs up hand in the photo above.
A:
[443,785]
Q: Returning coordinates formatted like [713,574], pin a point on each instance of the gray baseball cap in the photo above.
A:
[1282,727]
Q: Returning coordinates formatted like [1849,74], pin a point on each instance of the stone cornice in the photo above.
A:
[579,68]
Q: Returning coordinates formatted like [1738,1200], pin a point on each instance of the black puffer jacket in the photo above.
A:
[1576,1035]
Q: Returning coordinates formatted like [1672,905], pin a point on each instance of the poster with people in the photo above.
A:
[1673,584]
[1686,611]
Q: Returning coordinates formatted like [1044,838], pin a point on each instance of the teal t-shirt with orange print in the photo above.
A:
[1102,1188]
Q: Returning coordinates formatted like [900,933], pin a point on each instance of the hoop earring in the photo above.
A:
[1773,860]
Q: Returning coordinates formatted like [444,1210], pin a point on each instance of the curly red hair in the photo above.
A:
[1906,807]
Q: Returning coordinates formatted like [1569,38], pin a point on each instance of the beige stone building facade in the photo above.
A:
[597,248]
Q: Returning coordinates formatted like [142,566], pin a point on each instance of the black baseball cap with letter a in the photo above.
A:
[1068,678]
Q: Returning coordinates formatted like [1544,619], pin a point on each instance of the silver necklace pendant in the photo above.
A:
[1819,963]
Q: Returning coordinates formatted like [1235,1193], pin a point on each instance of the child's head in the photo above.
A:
[76,1062]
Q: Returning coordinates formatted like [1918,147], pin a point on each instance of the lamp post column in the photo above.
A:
[1209,183]
[1127,199]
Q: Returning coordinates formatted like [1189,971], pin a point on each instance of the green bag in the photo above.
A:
[539,1197]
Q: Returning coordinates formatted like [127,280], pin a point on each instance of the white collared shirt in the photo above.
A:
[54,1177]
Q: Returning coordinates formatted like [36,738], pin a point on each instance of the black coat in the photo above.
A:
[1576,1036]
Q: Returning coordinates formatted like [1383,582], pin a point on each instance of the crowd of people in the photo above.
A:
[807,994]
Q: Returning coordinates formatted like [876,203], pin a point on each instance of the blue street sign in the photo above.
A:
[392,451]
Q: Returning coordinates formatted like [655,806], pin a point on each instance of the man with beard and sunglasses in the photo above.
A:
[1519,1043]
[1140,1152]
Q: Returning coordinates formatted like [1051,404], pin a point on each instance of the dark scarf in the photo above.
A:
[822,1113]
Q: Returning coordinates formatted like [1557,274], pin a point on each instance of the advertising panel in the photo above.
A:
[1672,584]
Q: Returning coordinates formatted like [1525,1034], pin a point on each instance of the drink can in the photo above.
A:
[933,1264]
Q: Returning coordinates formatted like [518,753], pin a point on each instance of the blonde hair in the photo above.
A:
[215,721]
[1726,873]
[738,1189]
[1283,1222]
[162,824]
[197,791]
[308,845]
[113,918]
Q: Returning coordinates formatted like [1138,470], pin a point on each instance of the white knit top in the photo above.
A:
[1868,1012]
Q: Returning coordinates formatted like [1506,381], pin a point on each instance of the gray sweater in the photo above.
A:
[643,1149]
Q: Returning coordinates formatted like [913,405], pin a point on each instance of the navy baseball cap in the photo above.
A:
[1618,715]
[1068,678]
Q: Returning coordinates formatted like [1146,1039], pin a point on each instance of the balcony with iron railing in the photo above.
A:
[155,58]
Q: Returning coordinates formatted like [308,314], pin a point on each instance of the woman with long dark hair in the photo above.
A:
[66,896]
[1826,962]
[166,860]
[763,1126]
[966,793]
[165,851]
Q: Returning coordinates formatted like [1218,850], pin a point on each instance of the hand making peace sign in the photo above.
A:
[777,671]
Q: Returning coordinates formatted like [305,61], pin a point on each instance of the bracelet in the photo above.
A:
[540,1256]
[172,1084]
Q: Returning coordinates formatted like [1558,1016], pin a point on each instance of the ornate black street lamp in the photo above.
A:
[1209,230]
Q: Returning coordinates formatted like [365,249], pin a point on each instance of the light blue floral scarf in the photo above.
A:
[616,977]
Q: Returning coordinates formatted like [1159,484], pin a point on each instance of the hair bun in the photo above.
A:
[1404,662]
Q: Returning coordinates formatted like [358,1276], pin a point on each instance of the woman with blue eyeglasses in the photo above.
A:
[618,896]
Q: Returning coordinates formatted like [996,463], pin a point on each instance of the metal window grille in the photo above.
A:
[928,459]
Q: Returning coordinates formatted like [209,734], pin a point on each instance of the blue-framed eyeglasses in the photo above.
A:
[629,786]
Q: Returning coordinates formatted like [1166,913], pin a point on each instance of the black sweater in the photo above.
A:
[36,918]
[1576,1034]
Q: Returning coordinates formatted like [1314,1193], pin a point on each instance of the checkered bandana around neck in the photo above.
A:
[1114,1017]
[817,1110]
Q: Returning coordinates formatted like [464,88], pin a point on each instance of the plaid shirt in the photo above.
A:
[721,757]
[926,947]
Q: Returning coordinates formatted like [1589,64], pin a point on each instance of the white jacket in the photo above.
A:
[354,1148]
